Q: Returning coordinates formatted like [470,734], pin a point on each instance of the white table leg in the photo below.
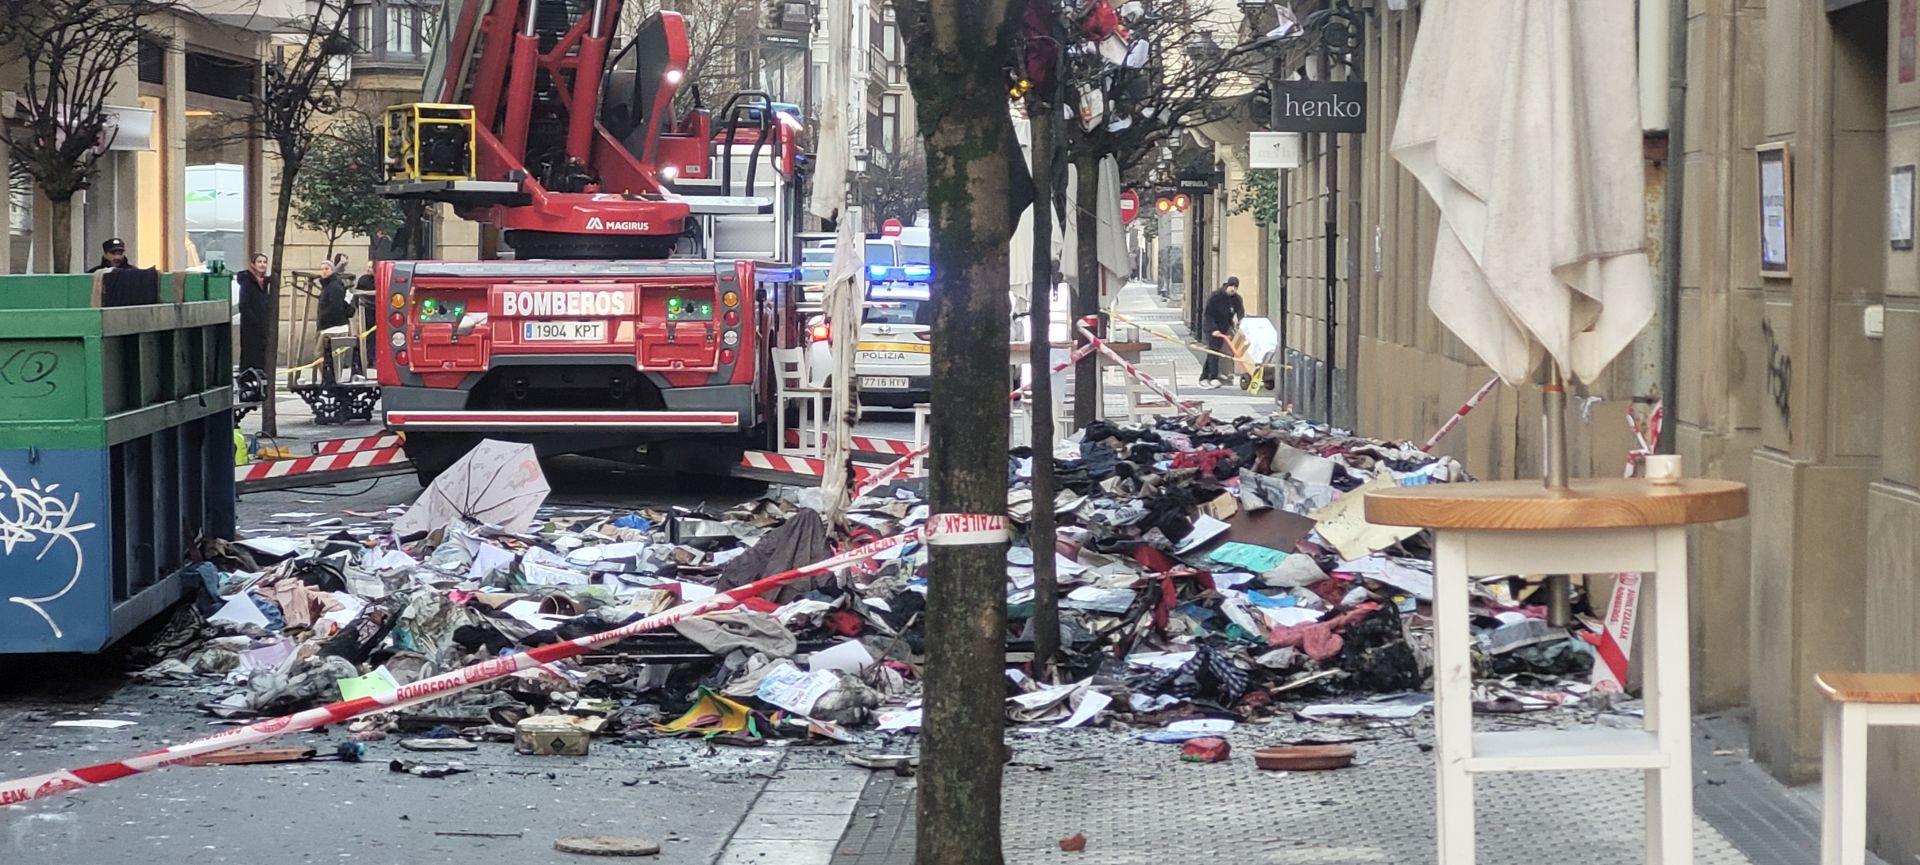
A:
[1452,700]
[1843,825]
[1668,708]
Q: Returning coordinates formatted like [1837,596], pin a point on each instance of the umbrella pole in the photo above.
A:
[1559,586]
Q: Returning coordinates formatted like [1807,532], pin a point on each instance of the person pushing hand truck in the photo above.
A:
[1220,317]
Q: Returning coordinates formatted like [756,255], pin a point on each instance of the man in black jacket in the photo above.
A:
[1221,315]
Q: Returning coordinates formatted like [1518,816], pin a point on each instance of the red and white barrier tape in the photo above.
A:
[807,466]
[326,463]
[1460,413]
[63,781]
[1172,398]
[1655,420]
[865,444]
[1614,642]
[364,443]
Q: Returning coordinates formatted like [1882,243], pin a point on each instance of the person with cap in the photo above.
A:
[113,256]
[1221,315]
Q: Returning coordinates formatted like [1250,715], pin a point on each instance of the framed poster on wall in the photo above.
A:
[1776,209]
[1900,207]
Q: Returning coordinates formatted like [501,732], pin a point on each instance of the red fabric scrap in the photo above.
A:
[845,624]
[1319,640]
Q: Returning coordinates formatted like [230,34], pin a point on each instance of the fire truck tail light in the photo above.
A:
[730,299]
[732,318]
[400,356]
[399,339]
[726,355]
[396,319]
[730,338]
[398,301]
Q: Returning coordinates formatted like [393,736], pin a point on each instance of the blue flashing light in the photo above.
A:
[921,272]
[877,271]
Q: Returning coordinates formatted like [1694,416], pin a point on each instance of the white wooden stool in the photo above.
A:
[1595,526]
[1856,702]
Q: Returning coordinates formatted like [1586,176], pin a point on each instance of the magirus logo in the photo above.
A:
[595,223]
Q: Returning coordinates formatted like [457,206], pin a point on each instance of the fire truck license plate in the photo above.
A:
[879,382]
[563,331]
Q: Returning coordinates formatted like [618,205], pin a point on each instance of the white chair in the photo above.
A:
[1856,703]
[922,419]
[790,368]
[1143,403]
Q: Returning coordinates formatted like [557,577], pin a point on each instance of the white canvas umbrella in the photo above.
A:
[1521,118]
[497,483]
[844,297]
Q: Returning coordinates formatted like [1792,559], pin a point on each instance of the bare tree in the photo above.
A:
[1182,63]
[957,56]
[896,188]
[72,51]
[302,82]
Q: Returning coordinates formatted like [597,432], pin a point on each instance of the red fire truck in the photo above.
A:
[654,260]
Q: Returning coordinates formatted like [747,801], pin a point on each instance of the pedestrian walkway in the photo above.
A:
[1140,302]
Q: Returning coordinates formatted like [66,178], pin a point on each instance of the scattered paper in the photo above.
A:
[1344,523]
[1091,703]
[488,559]
[1252,557]
[847,657]
[1207,726]
[377,682]
[240,610]
[1205,529]
[272,546]
[388,559]
[901,719]
[785,686]
[1396,709]
[95,723]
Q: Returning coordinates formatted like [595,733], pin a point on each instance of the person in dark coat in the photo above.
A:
[113,256]
[336,310]
[1221,315]
[252,301]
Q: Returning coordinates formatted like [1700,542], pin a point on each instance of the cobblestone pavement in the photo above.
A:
[1136,803]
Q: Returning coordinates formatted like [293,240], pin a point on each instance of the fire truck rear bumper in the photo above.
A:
[481,421]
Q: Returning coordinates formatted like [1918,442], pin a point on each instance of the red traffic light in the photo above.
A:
[1182,202]
[1163,205]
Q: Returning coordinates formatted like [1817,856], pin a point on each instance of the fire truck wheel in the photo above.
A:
[433,453]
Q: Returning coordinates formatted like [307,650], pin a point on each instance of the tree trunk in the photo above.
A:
[61,234]
[1040,532]
[957,54]
[1086,293]
[269,418]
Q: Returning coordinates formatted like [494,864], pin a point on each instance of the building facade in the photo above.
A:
[1796,344]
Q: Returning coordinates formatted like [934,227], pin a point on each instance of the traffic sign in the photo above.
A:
[1129,206]
[891,228]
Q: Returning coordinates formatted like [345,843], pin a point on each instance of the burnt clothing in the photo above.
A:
[251,300]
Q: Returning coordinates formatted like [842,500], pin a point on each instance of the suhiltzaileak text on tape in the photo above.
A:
[946,530]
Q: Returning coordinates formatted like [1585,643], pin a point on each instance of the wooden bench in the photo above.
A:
[1855,702]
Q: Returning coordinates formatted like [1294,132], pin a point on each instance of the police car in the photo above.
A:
[893,358]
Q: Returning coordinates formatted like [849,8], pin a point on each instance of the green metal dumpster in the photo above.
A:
[116,449]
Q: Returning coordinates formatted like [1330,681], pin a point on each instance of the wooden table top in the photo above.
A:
[1588,503]
[1870,687]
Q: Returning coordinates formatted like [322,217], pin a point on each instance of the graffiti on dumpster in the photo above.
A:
[36,517]
[28,373]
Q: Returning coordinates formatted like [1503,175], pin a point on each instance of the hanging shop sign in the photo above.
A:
[1320,106]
